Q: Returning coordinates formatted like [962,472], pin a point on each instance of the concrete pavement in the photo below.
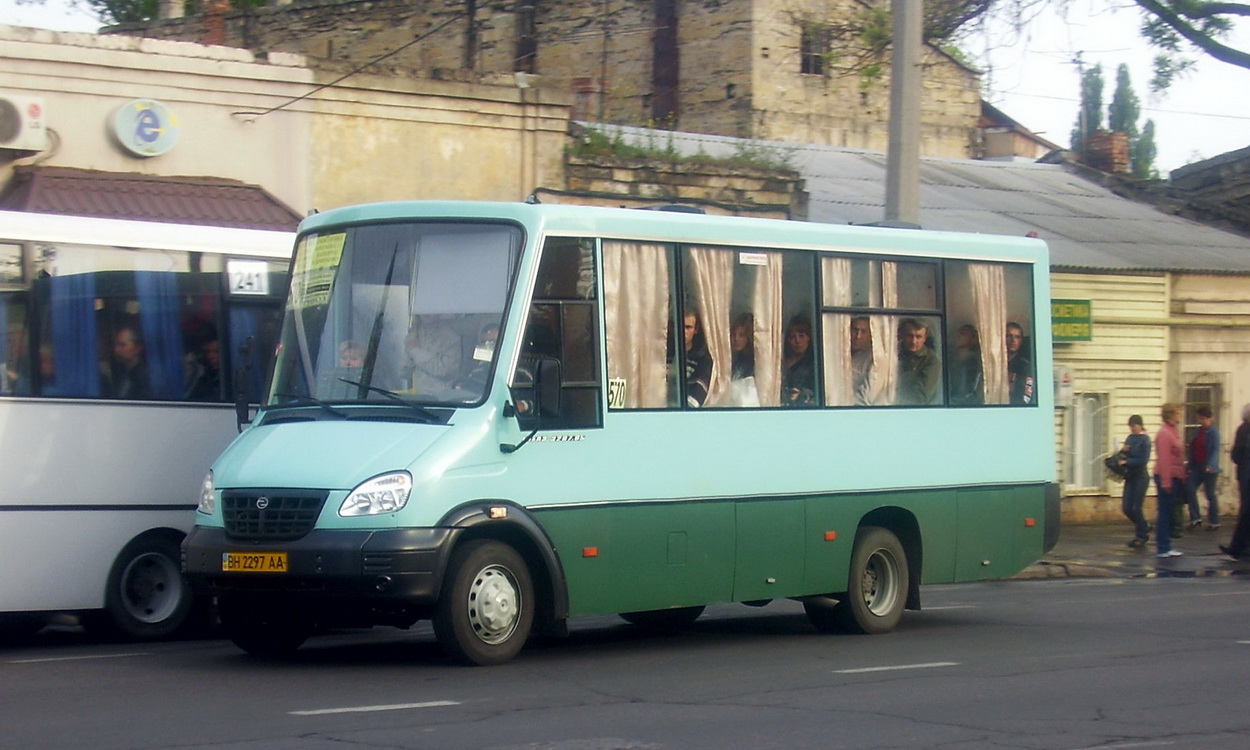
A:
[1100,550]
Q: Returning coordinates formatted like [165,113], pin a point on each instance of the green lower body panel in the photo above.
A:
[639,556]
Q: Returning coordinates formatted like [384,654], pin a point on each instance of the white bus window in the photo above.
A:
[989,319]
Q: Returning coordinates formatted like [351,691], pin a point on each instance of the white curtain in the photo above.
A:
[989,299]
[636,311]
[713,272]
[884,378]
[835,277]
[769,330]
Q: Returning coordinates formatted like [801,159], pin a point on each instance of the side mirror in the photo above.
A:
[547,388]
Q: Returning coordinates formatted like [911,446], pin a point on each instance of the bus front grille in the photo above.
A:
[270,515]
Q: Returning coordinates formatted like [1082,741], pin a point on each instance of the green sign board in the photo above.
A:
[1071,320]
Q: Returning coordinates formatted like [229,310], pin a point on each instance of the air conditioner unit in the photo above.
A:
[22,123]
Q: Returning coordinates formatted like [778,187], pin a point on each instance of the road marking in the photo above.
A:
[370,709]
[930,665]
[1150,743]
[77,658]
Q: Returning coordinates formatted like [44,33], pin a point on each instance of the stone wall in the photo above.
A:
[716,188]
[738,62]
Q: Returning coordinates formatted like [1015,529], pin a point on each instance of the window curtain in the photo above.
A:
[835,277]
[770,328]
[636,311]
[713,272]
[243,327]
[884,379]
[989,300]
[159,317]
[75,336]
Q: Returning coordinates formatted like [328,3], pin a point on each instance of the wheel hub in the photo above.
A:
[493,606]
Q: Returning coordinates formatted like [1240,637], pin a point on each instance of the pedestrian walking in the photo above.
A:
[1204,469]
[1240,454]
[1136,455]
[1169,477]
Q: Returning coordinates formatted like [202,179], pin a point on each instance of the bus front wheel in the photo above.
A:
[877,585]
[486,609]
[147,597]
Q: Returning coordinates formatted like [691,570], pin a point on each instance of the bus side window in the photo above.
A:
[562,324]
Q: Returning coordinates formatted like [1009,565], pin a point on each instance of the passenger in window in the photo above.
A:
[798,364]
[1021,381]
[434,354]
[204,383]
[861,360]
[698,361]
[920,367]
[351,355]
[47,371]
[742,391]
[128,373]
[967,376]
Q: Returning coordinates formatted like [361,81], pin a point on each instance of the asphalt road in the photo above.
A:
[1040,664]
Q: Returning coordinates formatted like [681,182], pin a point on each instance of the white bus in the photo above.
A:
[124,344]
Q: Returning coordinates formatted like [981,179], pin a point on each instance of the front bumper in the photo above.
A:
[398,565]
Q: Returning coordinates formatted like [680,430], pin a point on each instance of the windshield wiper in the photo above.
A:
[393,396]
[310,401]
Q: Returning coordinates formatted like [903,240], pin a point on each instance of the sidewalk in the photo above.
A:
[1100,550]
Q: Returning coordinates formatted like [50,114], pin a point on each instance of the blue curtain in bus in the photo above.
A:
[75,340]
[162,337]
[242,327]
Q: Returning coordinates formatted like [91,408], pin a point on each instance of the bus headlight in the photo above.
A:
[382,494]
[208,500]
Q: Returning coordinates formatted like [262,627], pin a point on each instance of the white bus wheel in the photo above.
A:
[486,608]
[146,596]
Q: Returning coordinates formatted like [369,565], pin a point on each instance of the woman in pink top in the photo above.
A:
[1169,477]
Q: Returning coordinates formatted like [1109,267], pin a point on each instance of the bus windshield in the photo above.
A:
[408,311]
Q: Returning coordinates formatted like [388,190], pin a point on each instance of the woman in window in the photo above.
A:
[742,376]
[798,365]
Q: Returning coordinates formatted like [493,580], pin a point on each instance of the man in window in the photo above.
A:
[698,361]
[920,367]
[861,360]
[1021,383]
[128,371]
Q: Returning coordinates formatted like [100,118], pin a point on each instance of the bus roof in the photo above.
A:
[22,226]
[683,227]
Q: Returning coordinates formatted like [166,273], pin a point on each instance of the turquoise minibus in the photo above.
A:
[501,416]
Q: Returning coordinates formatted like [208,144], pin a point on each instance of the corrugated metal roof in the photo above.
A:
[209,201]
[1086,225]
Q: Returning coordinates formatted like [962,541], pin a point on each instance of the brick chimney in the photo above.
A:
[1107,151]
[215,21]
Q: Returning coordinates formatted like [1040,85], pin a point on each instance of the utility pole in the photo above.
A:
[902,180]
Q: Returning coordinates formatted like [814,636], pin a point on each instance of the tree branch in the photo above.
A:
[1195,37]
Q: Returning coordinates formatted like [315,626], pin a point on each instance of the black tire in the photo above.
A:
[876,588]
[146,598]
[267,629]
[663,619]
[486,610]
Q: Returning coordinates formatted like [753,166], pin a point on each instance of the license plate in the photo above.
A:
[253,562]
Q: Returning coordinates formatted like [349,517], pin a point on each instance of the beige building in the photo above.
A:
[273,122]
[774,69]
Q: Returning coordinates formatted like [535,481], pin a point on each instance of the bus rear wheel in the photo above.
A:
[146,597]
[486,609]
[268,629]
[876,591]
